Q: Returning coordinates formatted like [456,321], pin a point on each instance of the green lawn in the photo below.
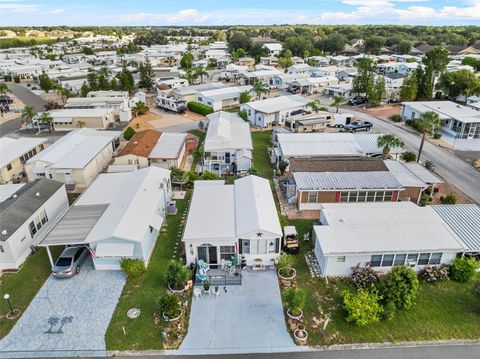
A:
[144,293]
[21,41]
[447,310]
[24,285]
[261,159]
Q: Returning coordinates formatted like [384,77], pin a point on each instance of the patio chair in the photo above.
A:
[197,292]
[216,292]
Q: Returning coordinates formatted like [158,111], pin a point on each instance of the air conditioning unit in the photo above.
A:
[411,264]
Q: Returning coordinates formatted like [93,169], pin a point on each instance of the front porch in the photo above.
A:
[218,277]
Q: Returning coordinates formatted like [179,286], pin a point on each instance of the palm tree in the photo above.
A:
[259,88]
[200,72]
[387,142]
[314,105]
[429,165]
[28,114]
[337,101]
[46,119]
[63,93]
[427,124]
[190,76]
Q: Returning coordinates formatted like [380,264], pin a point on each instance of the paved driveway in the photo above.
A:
[246,319]
[84,304]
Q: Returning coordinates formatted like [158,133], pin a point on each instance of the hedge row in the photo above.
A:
[200,108]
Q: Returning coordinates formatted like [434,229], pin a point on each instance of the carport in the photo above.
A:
[74,227]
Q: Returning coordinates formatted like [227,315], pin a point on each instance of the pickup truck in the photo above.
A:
[357,100]
[358,126]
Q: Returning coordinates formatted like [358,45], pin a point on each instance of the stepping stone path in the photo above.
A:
[312,264]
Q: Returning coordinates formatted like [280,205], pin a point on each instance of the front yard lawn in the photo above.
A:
[144,333]
[24,285]
[446,310]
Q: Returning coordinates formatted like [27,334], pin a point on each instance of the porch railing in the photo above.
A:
[220,277]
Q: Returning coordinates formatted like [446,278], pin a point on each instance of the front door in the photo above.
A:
[208,253]
[227,157]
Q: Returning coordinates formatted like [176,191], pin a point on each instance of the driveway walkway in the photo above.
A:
[84,303]
[247,319]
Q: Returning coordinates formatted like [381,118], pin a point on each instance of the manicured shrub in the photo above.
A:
[285,261]
[169,305]
[129,133]
[252,171]
[400,287]
[464,269]
[448,199]
[434,274]
[437,135]
[200,108]
[176,274]
[133,267]
[363,307]
[243,114]
[408,156]
[16,79]
[396,118]
[364,277]
[295,299]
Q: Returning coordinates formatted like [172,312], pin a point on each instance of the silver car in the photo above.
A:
[69,262]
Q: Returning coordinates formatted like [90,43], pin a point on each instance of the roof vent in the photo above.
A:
[4,232]
[14,196]
[37,194]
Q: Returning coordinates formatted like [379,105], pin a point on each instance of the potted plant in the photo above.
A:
[206,286]
[285,267]
[300,333]
[295,299]
[176,275]
[169,304]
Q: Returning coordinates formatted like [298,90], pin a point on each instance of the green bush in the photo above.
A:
[295,299]
[396,118]
[437,135]
[200,108]
[363,307]
[16,79]
[408,156]
[285,261]
[169,305]
[7,78]
[400,287]
[133,267]
[448,199]
[464,269]
[129,133]
[243,114]
[176,274]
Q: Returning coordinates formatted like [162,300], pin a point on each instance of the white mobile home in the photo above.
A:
[242,219]
[223,98]
[70,119]
[381,235]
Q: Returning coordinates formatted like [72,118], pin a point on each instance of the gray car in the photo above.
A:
[69,262]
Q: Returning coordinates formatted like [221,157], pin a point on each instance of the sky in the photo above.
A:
[232,12]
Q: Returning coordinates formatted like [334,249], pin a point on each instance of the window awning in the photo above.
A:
[114,250]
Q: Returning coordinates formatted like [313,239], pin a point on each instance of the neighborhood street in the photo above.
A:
[452,169]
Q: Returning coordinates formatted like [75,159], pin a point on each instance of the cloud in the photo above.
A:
[56,11]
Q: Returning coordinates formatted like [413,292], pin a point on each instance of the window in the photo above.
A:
[245,246]
[399,259]
[39,221]
[435,258]
[312,197]
[388,196]
[379,196]
[9,167]
[361,196]
[343,196]
[424,257]
[370,196]
[341,259]
[227,252]
[1,249]
[273,245]
[32,228]
[375,260]
[412,259]
[387,260]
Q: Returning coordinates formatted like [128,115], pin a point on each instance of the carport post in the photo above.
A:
[49,255]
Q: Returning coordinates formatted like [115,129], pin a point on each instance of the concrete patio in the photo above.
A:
[67,317]
[248,318]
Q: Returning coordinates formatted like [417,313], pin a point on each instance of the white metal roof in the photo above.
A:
[13,148]
[383,227]
[220,211]
[227,130]
[446,110]
[403,174]
[225,92]
[75,149]
[346,180]
[280,103]
[78,112]
[422,173]
[318,144]
[168,146]
[464,220]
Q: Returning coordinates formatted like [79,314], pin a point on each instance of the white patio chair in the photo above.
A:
[197,292]
[216,292]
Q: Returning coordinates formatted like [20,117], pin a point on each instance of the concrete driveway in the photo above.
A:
[67,317]
[247,319]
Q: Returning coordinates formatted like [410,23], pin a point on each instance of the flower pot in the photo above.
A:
[300,334]
[295,317]
[168,319]
[287,276]
[176,290]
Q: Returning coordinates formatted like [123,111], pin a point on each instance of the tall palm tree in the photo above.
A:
[337,101]
[28,114]
[428,123]
[387,142]
[190,76]
[63,93]
[46,119]
[200,72]
[314,105]
[259,88]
